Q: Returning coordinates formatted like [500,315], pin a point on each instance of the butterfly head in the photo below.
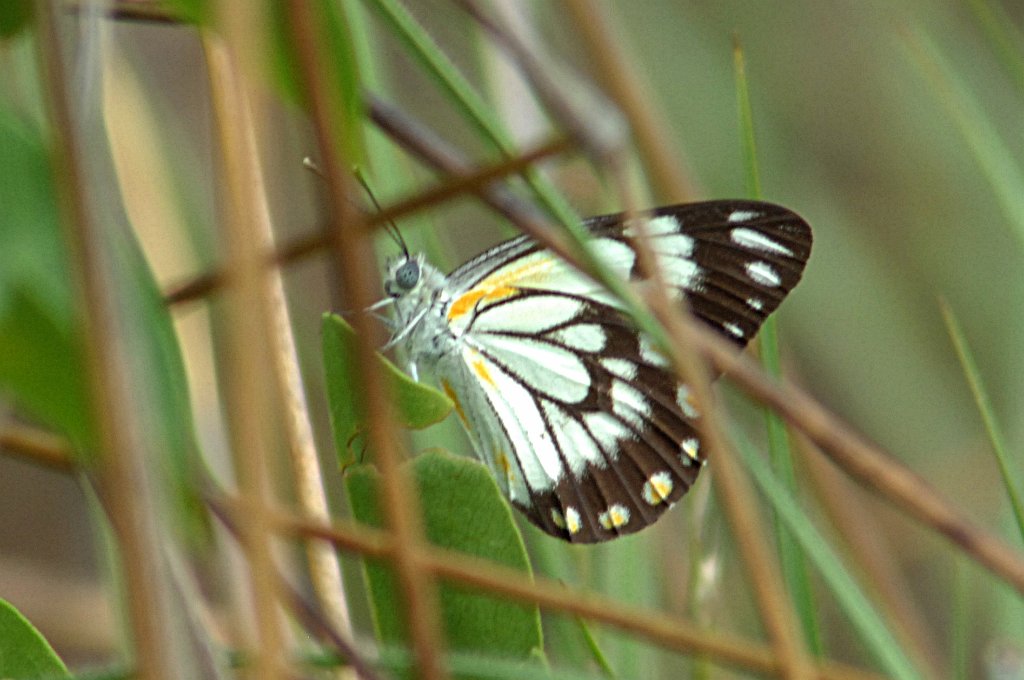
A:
[404,274]
[414,289]
[409,280]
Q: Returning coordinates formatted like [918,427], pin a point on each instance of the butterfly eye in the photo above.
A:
[407,275]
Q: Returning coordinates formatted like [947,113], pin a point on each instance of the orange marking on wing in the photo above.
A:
[480,368]
[468,300]
[502,460]
[446,386]
[503,285]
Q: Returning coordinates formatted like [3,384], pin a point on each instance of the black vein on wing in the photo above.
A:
[544,501]
[535,511]
[653,444]
[719,294]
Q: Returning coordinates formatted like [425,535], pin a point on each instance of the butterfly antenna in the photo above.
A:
[390,226]
[392,230]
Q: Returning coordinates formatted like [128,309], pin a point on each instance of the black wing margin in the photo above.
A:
[749,256]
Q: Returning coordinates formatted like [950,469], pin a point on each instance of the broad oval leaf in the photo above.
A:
[463,511]
[418,405]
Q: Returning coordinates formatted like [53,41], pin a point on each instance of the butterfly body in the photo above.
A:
[577,416]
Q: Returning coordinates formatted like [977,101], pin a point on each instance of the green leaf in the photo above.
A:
[24,653]
[464,511]
[158,378]
[15,15]
[41,367]
[32,249]
[418,405]
[41,350]
[42,356]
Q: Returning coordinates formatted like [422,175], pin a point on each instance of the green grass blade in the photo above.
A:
[990,150]
[794,566]
[338,62]
[470,102]
[390,173]
[960,625]
[871,627]
[595,649]
[748,145]
[1003,35]
[1009,472]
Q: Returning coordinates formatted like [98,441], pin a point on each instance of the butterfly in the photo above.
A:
[580,420]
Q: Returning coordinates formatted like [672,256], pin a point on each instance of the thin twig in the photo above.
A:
[431,149]
[870,465]
[146,11]
[37,446]
[426,145]
[355,260]
[325,630]
[324,567]
[737,498]
[473,181]
[248,382]
[728,476]
[872,555]
[671,181]
[313,619]
[663,629]
[123,473]
[584,112]
[466,180]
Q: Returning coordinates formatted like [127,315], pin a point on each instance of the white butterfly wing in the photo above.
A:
[583,427]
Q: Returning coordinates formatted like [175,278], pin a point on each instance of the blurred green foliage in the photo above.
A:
[41,350]
[15,15]
[906,182]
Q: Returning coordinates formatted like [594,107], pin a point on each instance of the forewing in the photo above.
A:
[734,260]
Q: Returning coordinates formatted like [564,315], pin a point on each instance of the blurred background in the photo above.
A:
[893,128]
